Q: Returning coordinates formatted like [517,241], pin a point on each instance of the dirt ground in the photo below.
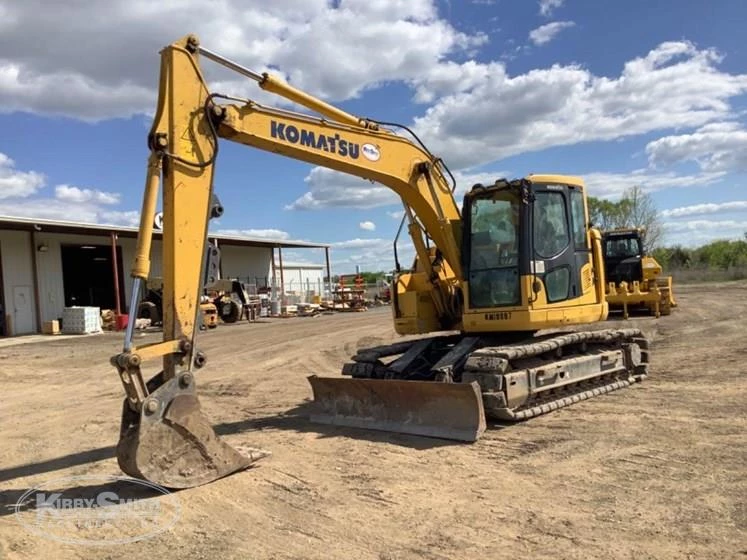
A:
[654,471]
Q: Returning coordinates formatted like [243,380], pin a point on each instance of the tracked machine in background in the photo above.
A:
[232,299]
[151,305]
[489,278]
[634,279]
[223,299]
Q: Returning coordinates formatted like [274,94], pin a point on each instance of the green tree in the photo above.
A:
[372,277]
[605,214]
[640,211]
[722,254]
[635,209]
[676,257]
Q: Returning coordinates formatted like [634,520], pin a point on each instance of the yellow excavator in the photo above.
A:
[494,290]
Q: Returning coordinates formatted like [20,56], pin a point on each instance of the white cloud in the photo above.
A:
[547,6]
[480,114]
[275,234]
[329,188]
[337,35]
[694,232]
[715,147]
[697,232]
[74,194]
[332,189]
[359,243]
[707,208]
[546,33]
[367,225]
[17,190]
[675,85]
[16,184]
[396,214]
[693,225]
[68,211]
[466,180]
[612,185]
[450,77]
[103,63]
[119,217]
[22,88]
[370,254]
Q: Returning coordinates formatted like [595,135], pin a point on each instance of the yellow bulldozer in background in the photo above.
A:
[634,279]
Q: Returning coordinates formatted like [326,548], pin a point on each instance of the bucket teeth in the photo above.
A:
[171,443]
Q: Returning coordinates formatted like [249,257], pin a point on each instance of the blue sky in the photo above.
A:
[621,93]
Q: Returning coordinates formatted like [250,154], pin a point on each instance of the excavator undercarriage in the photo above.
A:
[478,378]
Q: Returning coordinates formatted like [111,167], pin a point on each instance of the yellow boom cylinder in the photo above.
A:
[275,85]
[141,265]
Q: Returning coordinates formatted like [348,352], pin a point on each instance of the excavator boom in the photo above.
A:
[165,436]
[516,258]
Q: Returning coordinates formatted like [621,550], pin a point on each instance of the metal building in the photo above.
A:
[48,265]
[299,280]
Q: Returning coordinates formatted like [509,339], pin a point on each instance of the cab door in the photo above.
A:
[560,246]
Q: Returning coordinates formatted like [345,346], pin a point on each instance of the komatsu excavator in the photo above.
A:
[493,293]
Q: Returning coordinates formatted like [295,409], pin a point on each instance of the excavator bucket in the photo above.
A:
[171,443]
[439,410]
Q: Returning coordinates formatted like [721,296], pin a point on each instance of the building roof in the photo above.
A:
[82,228]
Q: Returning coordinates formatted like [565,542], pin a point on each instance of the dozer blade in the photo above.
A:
[439,410]
[171,443]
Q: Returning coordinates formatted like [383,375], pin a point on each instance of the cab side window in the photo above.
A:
[579,225]
[551,234]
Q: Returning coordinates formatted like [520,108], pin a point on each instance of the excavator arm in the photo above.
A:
[165,437]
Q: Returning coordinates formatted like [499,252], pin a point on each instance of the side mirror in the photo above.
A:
[537,286]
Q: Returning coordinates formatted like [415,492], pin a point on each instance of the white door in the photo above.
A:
[23,318]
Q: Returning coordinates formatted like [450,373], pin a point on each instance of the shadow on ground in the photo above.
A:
[58,463]
[295,419]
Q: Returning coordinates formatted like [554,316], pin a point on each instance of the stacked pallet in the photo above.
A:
[81,320]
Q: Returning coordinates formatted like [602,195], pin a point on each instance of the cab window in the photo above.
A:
[494,251]
[579,222]
[551,235]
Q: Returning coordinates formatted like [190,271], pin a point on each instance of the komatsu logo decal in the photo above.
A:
[371,152]
[332,144]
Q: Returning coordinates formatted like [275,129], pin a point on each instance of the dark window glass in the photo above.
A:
[557,283]
[550,224]
[494,252]
[579,225]
[622,248]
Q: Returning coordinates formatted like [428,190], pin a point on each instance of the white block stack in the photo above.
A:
[81,320]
